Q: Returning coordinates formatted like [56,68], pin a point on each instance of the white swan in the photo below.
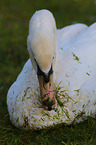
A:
[69,67]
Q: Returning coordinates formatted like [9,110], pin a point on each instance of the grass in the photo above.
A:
[14,19]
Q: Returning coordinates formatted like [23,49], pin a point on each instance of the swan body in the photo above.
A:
[74,75]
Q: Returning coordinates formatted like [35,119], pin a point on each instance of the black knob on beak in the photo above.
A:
[49,108]
[46,76]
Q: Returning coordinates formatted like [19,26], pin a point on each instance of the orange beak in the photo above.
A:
[47,93]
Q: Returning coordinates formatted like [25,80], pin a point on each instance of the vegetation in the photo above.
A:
[14,21]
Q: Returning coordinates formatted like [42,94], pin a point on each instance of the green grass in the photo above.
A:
[14,19]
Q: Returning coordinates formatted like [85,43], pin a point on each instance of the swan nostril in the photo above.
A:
[49,108]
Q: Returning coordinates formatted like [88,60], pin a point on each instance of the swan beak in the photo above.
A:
[47,93]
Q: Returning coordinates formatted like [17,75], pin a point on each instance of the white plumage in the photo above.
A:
[74,70]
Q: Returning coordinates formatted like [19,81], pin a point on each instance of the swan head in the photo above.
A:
[42,44]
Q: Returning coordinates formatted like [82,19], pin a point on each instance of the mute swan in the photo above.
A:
[63,60]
